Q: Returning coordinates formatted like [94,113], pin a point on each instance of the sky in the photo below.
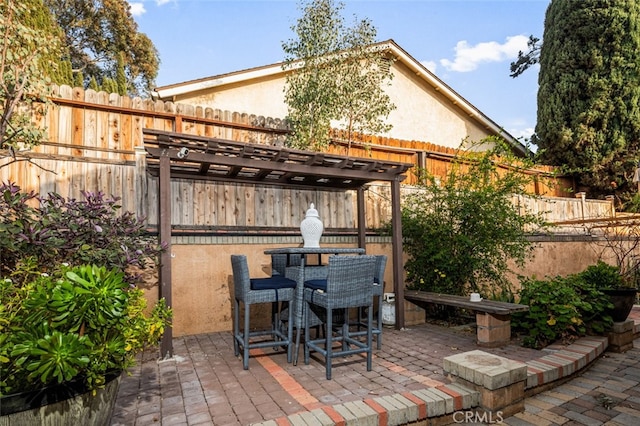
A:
[469,44]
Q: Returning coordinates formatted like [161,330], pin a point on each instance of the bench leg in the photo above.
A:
[493,330]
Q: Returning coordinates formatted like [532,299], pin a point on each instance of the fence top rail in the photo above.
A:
[197,157]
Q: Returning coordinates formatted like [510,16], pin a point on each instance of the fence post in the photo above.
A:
[582,196]
[140,184]
[612,200]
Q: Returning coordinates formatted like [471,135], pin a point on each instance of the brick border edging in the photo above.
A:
[563,363]
[436,404]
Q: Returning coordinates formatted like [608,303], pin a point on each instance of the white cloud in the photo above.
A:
[522,133]
[468,58]
[430,65]
[137,8]
[161,2]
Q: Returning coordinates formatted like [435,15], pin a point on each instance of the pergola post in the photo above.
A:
[396,238]
[164,236]
[362,221]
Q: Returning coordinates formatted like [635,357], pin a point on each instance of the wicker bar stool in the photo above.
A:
[349,284]
[378,291]
[251,291]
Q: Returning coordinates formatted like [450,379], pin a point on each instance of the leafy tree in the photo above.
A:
[363,73]
[589,87]
[460,232]
[29,57]
[97,33]
[335,74]
[78,79]
[527,59]
[93,84]
[120,80]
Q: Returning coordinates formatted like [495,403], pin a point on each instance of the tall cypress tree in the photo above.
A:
[589,91]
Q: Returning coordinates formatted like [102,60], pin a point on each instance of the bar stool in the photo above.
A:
[349,284]
[303,318]
[378,291]
[251,291]
[279,263]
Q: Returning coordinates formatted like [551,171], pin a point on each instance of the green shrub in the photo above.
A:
[603,276]
[56,230]
[70,305]
[560,308]
[84,321]
[461,231]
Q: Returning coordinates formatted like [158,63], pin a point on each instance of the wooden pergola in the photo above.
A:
[184,156]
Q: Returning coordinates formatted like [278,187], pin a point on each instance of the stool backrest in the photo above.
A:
[381,264]
[350,280]
[279,262]
[241,277]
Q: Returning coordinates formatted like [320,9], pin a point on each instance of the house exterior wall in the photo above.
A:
[203,284]
[264,96]
[422,113]
[426,115]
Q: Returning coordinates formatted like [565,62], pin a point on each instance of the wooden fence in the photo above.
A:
[95,144]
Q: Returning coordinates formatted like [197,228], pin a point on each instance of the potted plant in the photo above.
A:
[72,318]
[619,285]
[619,241]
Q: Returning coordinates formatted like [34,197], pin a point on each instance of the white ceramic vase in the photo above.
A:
[311,228]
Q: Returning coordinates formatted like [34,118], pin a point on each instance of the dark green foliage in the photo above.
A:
[526,60]
[62,316]
[109,85]
[78,79]
[563,308]
[93,231]
[603,276]
[93,84]
[589,92]
[460,233]
[84,321]
[120,80]
[65,74]
[30,52]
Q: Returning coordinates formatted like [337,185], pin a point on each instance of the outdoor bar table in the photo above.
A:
[309,272]
[319,251]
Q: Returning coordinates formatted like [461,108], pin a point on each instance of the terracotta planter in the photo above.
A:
[623,300]
[68,403]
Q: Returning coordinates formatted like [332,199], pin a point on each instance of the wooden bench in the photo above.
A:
[493,319]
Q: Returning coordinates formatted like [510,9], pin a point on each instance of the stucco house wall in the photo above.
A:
[203,283]
[427,109]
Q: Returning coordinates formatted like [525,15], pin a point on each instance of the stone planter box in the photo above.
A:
[65,404]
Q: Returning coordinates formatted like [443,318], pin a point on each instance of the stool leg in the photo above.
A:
[297,349]
[379,335]
[236,326]
[290,335]
[329,345]
[345,328]
[369,336]
[306,334]
[245,358]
